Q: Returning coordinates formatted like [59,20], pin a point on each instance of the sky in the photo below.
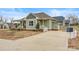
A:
[17,13]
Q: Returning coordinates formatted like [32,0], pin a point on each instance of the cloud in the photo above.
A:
[18,13]
[65,12]
[11,13]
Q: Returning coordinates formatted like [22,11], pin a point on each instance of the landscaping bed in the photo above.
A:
[74,42]
[15,34]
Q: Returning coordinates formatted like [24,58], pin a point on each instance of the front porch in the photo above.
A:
[47,23]
[42,23]
[23,24]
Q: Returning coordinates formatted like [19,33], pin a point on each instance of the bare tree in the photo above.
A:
[11,23]
[72,18]
[11,20]
[1,22]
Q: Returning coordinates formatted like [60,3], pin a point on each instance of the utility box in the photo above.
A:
[69,29]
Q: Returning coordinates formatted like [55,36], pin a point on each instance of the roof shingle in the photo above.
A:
[42,15]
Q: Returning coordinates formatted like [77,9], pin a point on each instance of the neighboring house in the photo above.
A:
[14,24]
[3,24]
[60,20]
[33,19]
[67,22]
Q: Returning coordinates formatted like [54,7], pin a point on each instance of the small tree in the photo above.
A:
[73,19]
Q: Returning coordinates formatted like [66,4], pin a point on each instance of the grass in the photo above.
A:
[13,34]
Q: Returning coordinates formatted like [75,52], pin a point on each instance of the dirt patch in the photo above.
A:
[77,43]
[74,43]
[13,34]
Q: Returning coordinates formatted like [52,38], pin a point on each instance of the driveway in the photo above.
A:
[47,41]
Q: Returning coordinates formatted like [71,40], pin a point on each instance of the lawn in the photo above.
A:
[15,34]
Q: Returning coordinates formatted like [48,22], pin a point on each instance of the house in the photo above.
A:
[42,19]
[67,22]
[60,20]
[15,23]
[3,24]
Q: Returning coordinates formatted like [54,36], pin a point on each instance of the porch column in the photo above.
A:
[39,24]
[43,23]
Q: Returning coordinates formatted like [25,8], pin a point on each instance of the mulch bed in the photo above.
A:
[13,34]
[74,43]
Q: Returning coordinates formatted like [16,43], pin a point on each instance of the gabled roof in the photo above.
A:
[42,15]
[39,16]
[59,18]
[16,21]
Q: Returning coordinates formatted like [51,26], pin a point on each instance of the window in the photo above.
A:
[30,23]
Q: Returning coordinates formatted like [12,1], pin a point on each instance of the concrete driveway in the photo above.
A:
[47,41]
